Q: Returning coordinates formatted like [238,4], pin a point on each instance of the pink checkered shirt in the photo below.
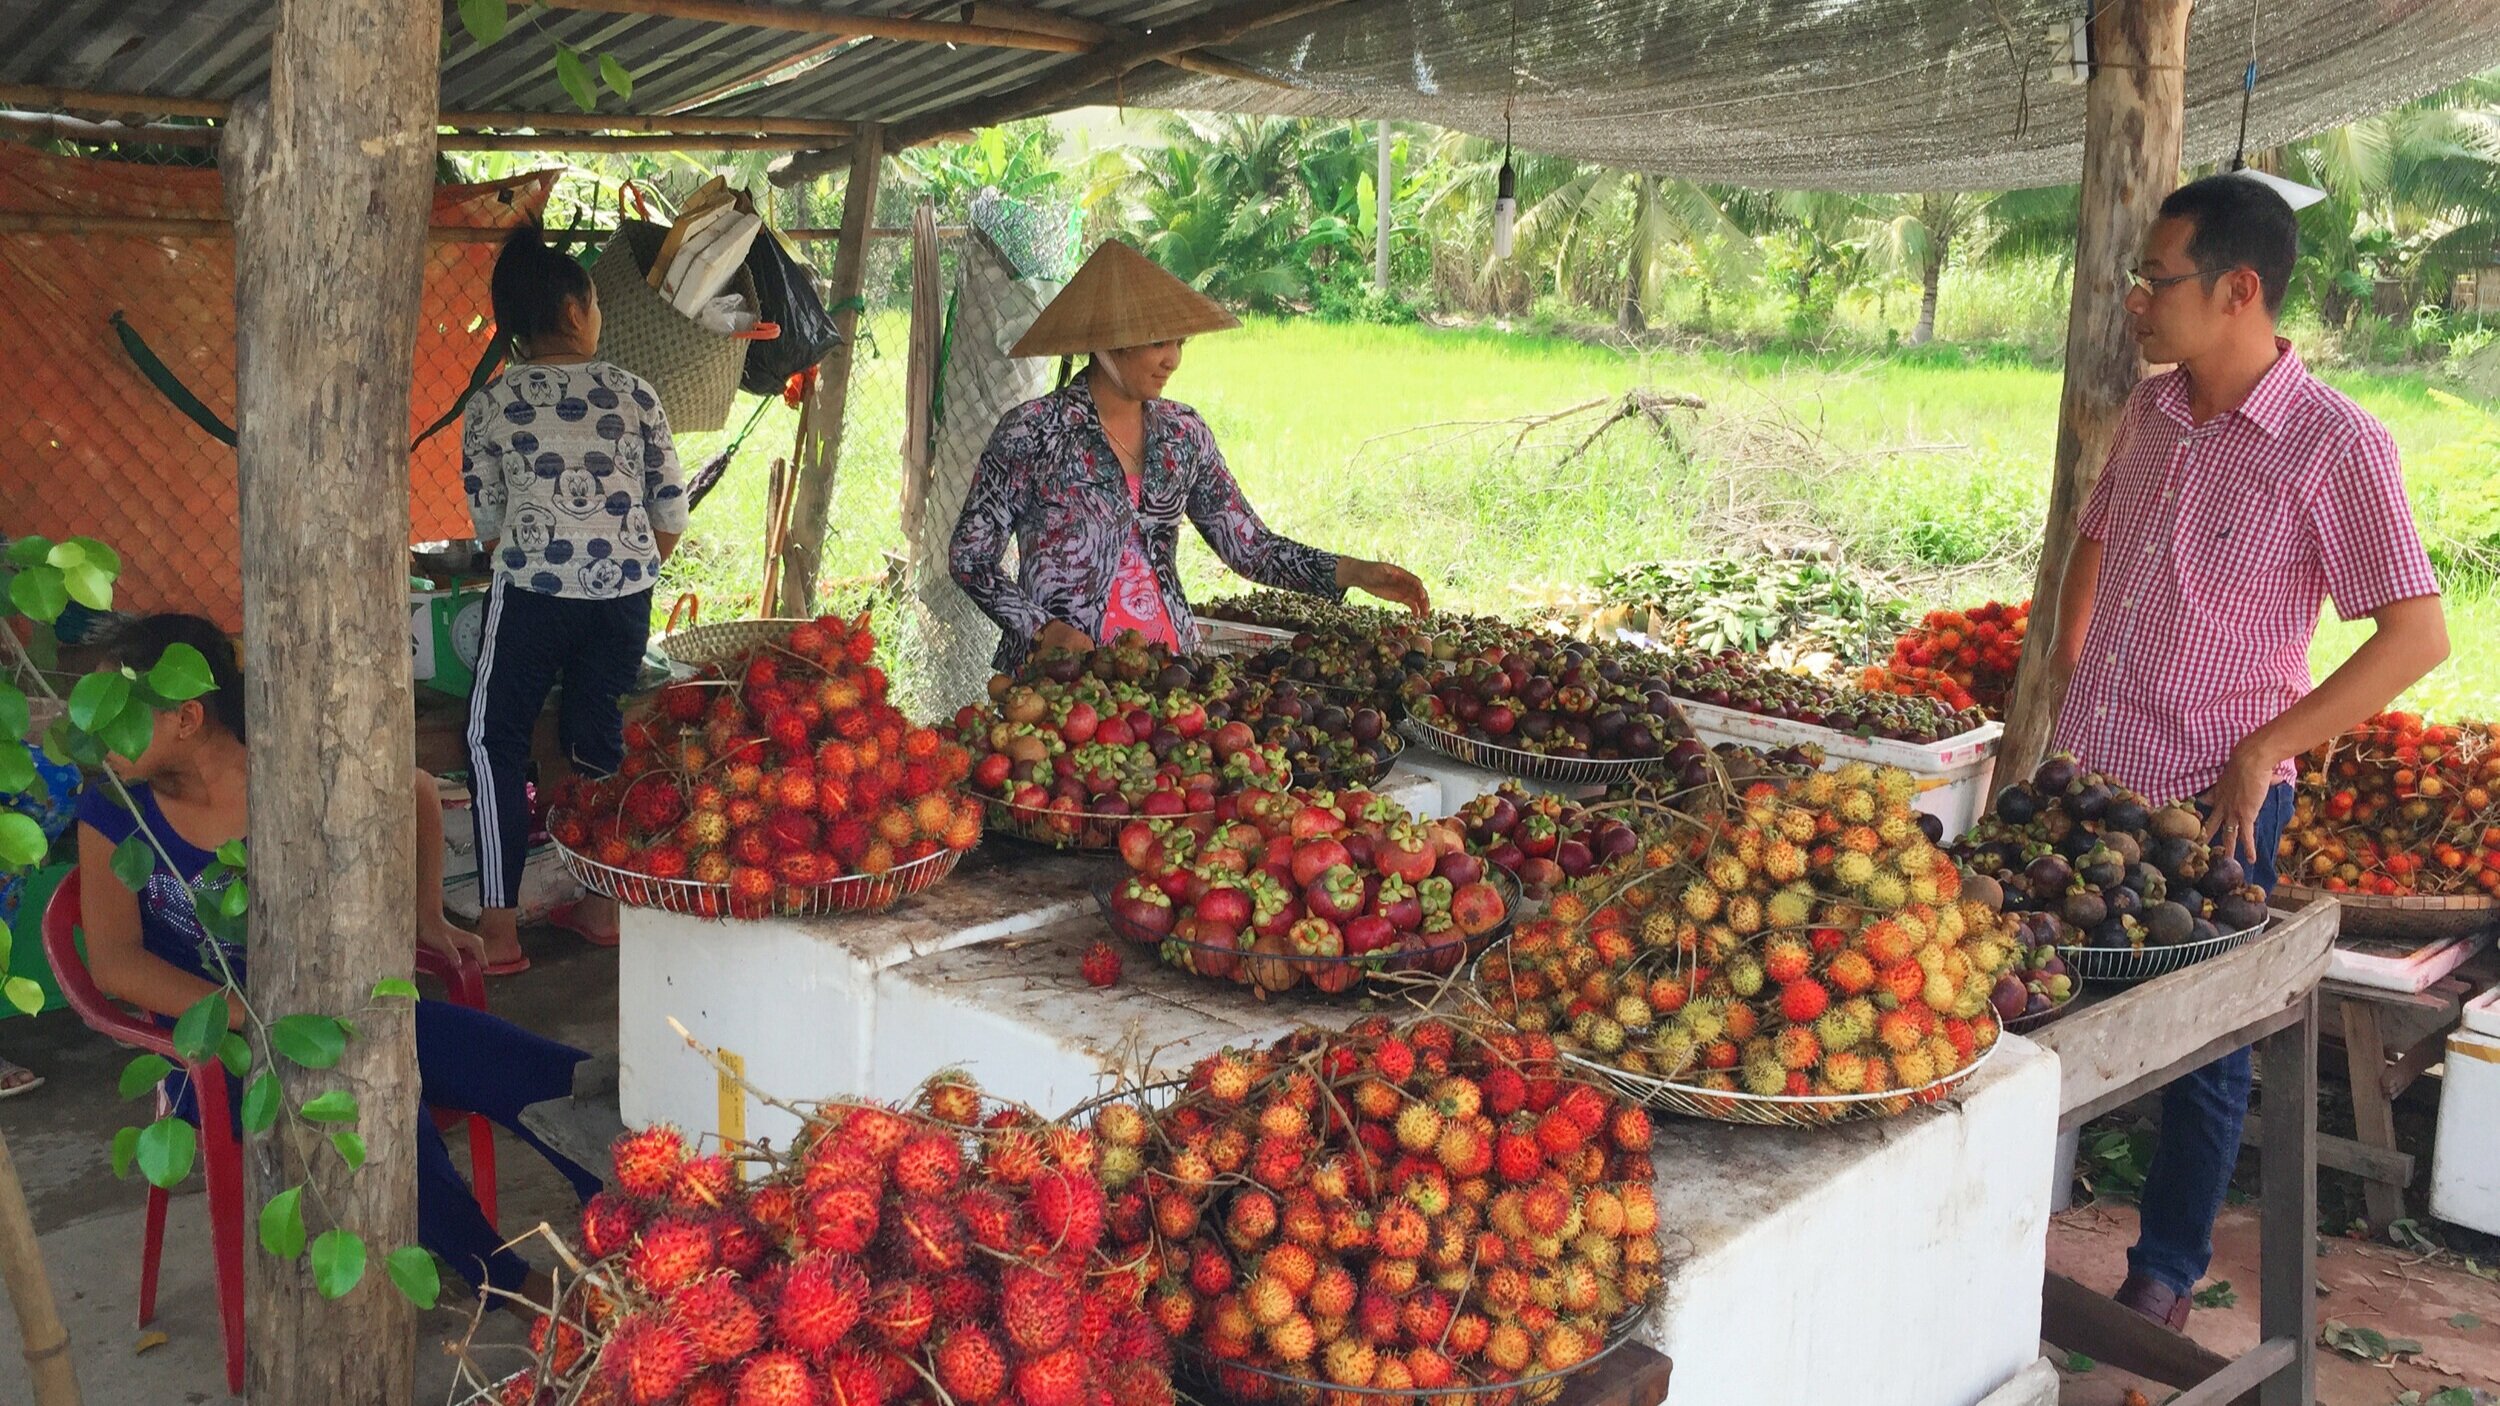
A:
[2219,543]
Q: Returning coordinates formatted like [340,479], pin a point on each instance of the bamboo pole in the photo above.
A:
[802,550]
[179,227]
[804,21]
[1095,33]
[44,95]
[2134,106]
[45,1342]
[47,127]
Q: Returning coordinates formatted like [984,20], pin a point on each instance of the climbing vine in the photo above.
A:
[487,21]
[113,711]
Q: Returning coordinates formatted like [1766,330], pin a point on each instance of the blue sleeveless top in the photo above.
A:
[169,928]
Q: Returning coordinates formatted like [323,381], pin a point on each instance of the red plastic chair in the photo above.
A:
[222,1162]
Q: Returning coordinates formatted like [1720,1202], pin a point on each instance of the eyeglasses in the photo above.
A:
[2137,280]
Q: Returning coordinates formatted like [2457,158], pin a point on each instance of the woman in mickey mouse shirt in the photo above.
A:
[575,491]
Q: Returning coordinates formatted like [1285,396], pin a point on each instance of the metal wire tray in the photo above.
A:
[698,645]
[1529,766]
[1776,1110]
[1536,1387]
[1319,976]
[1362,776]
[2025,1024]
[1093,831]
[2124,966]
[853,893]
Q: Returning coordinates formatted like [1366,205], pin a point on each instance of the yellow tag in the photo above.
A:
[733,1104]
[2473,1049]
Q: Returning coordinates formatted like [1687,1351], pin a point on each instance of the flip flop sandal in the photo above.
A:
[13,1090]
[513,967]
[562,917]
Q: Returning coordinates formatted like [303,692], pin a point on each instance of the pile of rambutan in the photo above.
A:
[1804,940]
[936,1254]
[769,781]
[1423,1207]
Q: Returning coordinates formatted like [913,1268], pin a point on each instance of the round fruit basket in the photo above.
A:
[2024,1024]
[2124,966]
[853,893]
[1075,829]
[1362,775]
[1217,1381]
[1530,766]
[2413,917]
[1271,974]
[1775,1110]
[698,645]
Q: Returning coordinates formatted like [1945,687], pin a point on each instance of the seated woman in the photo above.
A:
[149,948]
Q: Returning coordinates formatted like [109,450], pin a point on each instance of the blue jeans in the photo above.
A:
[2201,1117]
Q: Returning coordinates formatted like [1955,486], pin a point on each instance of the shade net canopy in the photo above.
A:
[1836,94]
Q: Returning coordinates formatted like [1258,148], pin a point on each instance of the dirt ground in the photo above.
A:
[2431,1299]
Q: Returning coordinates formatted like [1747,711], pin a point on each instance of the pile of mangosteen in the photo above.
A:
[1554,697]
[2115,872]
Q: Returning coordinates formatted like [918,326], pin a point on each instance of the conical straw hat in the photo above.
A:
[1120,298]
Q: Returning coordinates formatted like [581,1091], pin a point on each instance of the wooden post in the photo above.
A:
[2133,112]
[1381,192]
[329,178]
[804,551]
[44,1341]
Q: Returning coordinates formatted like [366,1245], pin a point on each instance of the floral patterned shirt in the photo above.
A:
[1050,483]
[570,470]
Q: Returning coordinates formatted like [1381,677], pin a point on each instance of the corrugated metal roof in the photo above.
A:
[1871,94]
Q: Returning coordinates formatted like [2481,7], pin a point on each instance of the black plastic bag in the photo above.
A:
[787,290]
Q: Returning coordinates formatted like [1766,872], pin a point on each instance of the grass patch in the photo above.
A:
[1932,466]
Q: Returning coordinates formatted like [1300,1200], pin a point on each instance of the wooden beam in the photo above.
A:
[329,176]
[2261,1363]
[2343,1154]
[177,227]
[44,127]
[1079,76]
[2092,1323]
[2287,1221]
[805,21]
[1004,15]
[820,456]
[2133,117]
[563,142]
[41,95]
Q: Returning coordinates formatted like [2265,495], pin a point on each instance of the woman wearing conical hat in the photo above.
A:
[1091,482]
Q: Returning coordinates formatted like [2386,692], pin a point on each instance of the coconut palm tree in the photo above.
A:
[2412,193]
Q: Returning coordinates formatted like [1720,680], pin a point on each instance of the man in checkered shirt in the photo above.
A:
[2240,494]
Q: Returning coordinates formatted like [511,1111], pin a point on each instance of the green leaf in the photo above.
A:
[90,551]
[234,898]
[261,1099]
[232,854]
[2466,1321]
[63,743]
[40,592]
[331,1106]
[235,1055]
[2453,1396]
[98,698]
[412,1268]
[338,1262]
[166,1148]
[125,1148]
[618,77]
[351,1148]
[23,994]
[89,585]
[282,1224]
[13,716]
[575,76]
[130,732]
[202,1027]
[313,1041]
[141,1074]
[22,844]
[133,860]
[2079,1364]
[181,673]
[17,767]
[484,19]
[29,551]
[399,986]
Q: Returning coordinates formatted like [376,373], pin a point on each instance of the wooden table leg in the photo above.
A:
[2373,1112]
[2288,1225]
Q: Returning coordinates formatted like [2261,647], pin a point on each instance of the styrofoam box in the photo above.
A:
[2412,971]
[1953,775]
[2465,1161]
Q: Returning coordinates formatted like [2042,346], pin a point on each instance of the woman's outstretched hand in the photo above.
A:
[1059,634]
[1394,584]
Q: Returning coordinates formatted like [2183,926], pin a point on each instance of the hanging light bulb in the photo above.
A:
[2296,195]
[1505,208]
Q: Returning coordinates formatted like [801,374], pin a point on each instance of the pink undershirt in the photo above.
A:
[1136,599]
